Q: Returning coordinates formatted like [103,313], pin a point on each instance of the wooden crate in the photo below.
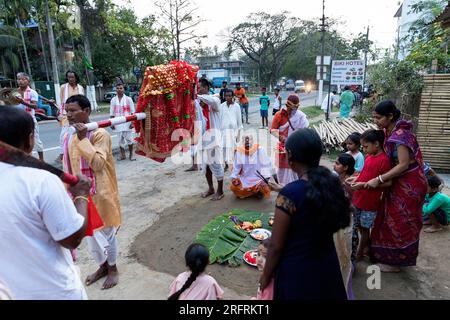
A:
[434,121]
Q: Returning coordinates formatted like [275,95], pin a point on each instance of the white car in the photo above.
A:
[299,86]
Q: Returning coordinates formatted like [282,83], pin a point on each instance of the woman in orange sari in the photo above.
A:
[287,121]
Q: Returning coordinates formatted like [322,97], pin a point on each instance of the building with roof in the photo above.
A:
[406,18]
[233,70]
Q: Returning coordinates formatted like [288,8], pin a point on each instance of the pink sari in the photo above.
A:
[395,235]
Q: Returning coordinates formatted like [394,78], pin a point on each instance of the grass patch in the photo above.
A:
[312,112]
[333,154]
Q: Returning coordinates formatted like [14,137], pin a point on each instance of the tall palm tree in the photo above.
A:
[10,44]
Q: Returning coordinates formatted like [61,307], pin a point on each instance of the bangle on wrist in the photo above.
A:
[82,198]
[380,179]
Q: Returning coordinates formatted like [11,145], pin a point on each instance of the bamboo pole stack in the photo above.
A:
[334,133]
[434,121]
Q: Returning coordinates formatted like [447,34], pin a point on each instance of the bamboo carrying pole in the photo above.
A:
[113,122]
[17,157]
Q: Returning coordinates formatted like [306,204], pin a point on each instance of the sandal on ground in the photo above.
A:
[432,229]
[217,197]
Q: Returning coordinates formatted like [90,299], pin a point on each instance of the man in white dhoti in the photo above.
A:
[28,102]
[328,103]
[69,89]
[212,159]
[231,126]
[122,105]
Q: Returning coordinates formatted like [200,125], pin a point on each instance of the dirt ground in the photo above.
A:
[430,279]
[183,221]
[162,211]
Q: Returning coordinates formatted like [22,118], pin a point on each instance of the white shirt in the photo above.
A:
[333,101]
[119,108]
[231,123]
[245,167]
[276,103]
[213,137]
[33,97]
[35,213]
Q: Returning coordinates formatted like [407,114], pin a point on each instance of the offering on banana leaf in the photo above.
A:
[246,225]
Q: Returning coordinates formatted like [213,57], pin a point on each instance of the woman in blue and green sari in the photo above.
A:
[346,102]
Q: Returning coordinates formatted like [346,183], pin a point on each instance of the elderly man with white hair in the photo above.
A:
[28,101]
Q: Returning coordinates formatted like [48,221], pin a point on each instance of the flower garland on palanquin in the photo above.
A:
[167,93]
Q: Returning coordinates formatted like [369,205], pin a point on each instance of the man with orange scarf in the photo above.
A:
[287,121]
[251,164]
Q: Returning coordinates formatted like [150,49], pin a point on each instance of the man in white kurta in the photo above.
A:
[69,89]
[212,159]
[28,101]
[328,103]
[122,105]
[231,126]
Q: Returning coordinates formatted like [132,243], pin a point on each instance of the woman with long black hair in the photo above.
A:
[302,255]
[396,231]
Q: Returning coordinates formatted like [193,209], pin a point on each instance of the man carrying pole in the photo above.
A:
[28,101]
[90,153]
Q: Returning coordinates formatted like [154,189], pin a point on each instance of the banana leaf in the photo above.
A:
[226,243]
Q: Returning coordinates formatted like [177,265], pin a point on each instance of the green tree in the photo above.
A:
[180,19]
[301,58]
[265,39]
[9,50]
[428,41]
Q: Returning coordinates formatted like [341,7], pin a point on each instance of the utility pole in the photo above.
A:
[322,30]
[90,90]
[43,51]
[27,61]
[333,52]
[365,54]
[51,42]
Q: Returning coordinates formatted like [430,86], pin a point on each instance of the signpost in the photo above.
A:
[347,72]
[322,63]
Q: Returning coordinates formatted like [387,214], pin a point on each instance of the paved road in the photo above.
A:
[49,131]
[306,100]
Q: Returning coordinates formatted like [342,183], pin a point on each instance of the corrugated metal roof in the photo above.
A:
[398,14]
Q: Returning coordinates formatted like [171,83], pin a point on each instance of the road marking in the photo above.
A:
[56,148]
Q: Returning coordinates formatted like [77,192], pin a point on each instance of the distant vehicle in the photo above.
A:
[107,97]
[130,90]
[217,81]
[282,83]
[290,84]
[299,86]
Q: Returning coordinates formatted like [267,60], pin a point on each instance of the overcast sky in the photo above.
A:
[356,14]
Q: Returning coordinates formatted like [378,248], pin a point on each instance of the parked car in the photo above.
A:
[299,86]
[130,90]
[290,85]
[107,97]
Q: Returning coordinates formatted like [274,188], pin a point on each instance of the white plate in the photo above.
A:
[253,254]
[260,234]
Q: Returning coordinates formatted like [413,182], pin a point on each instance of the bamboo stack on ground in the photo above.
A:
[334,133]
[434,121]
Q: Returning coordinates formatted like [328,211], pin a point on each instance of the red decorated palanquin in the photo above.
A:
[167,97]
